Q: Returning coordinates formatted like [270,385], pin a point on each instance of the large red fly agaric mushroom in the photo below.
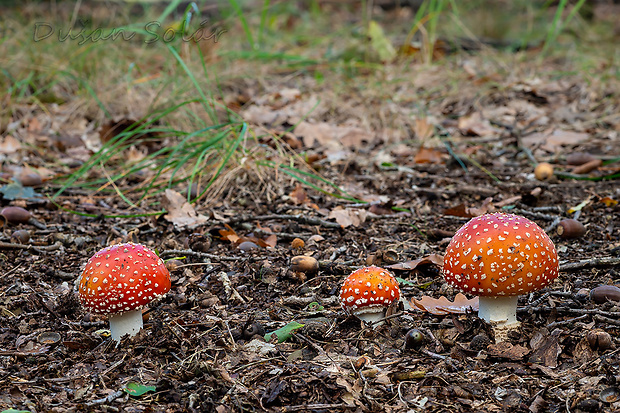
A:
[118,281]
[368,292]
[499,257]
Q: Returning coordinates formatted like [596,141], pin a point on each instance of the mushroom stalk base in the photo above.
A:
[501,313]
[129,322]
[374,318]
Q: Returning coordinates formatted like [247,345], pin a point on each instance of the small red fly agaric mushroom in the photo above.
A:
[368,292]
[118,281]
[499,257]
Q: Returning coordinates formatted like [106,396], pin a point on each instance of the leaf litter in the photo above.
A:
[204,346]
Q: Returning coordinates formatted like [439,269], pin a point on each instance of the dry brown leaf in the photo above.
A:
[229,234]
[348,217]
[9,145]
[469,212]
[507,201]
[298,195]
[429,155]
[423,129]
[546,348]
[458,211]
[435,259]
[475,124]
[487,206]
[180,212]
[506,350]
[443,306]
[552,141]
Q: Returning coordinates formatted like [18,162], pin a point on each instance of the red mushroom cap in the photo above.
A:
[500,254]
[369,289]
[121,278]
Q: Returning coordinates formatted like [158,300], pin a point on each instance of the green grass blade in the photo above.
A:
[246,27]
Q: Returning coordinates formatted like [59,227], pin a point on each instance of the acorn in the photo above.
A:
[604,293]
[30,179]
[579,158]
[543,171]
[304,264]
[599,340]
[16,215]
[21,236]
[570,229]
[297,243]
[414,339]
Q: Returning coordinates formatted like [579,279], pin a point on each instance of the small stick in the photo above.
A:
[554,224]
[109,399]
[431,354]
[299,218]
[593,262]
[607,320]
[201,254]
[570,321]
[438,346]
[567,310]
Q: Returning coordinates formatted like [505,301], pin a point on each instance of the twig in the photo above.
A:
[438,346]
[566,310]
[109,399]
[318,348]
[304,301]
[299,218]
[201,254]
[535,214]
[592,262]
[12,246]
[540,299]
[554,224]
[280,235]
[40,249]
[113,366]
[569,321]
[431,354]
[318,406]
[607,320]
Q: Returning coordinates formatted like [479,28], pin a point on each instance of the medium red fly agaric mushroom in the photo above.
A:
[499,257]
[368,292]
[118,281]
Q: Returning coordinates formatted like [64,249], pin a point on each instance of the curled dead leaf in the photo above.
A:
[180,212]
[434,259]
[443,306]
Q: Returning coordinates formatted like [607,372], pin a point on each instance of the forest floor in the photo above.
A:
[415,149]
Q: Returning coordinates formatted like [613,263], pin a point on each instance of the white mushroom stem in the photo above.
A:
[501,313]
[128,322]
[372,315]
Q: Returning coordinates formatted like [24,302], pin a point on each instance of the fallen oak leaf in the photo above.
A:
[506,350]
[443,306]
[180,212]
[429,155]
[229,234]
[433,259]
[348,217]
